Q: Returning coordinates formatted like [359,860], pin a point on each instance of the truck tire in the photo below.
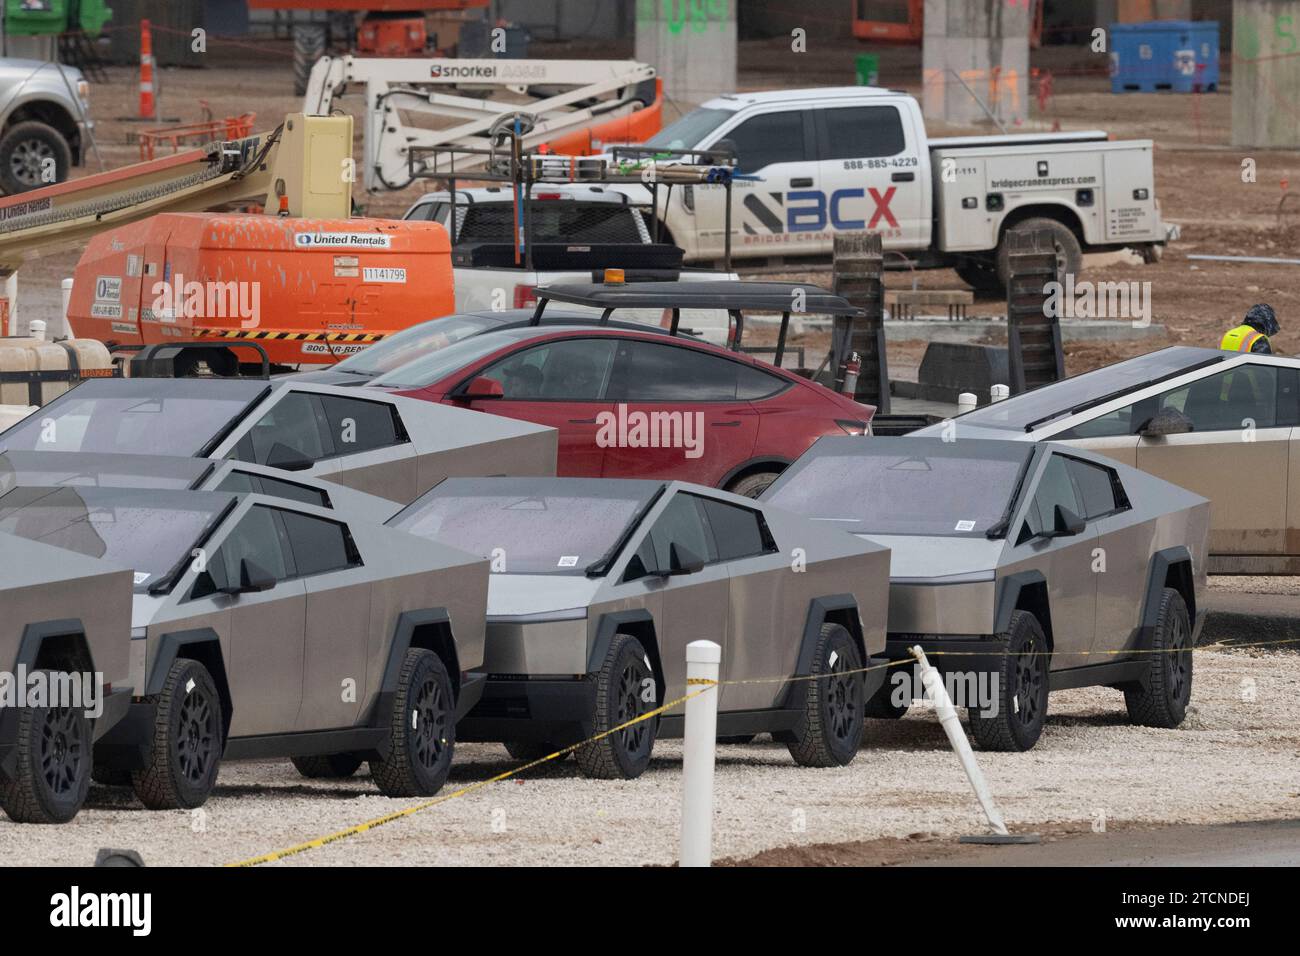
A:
[52,772]
[422,729]
[327,766]
[1021,690]
[979,275]
[623,754]
[1163,702]
[186,749]
[1069,255]
[830,726]
[25,150]
[751,486]
[308,47]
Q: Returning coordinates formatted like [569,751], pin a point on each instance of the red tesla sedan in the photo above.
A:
[638,404]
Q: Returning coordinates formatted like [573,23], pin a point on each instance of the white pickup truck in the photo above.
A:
[577,231]
[858,158]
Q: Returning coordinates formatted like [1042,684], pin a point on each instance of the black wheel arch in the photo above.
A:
[428,629]
[1170,568]
[639,623]
[201,645]
[1023,591]
[841,609]
[56,644]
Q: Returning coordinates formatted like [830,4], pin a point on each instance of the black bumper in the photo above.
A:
[947,654]
[558,710]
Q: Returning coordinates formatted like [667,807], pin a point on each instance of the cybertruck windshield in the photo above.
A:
[904,486]
[396,350]
[135,417]
[530,525]
[1038,406]
[148,531]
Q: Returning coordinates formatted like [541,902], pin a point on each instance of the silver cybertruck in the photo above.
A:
[386,445]
[598,585]
[1020,568]
[264,627]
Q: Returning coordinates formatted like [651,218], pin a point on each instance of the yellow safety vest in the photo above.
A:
[1241,339]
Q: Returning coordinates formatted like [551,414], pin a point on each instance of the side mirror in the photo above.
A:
[724,147]
[252,577]
[287,459]
[682,561]
[483,387]
[1167,421]
[1066,524]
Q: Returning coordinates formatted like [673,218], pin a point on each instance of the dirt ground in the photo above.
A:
[1235,758]
[1199,177]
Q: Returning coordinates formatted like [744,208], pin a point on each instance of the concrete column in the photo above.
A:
[692,43]
[973,52]
[1265,73]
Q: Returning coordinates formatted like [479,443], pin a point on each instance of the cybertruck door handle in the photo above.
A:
[803,182]
[902,177]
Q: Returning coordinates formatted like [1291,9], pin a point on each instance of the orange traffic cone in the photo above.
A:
[148,108]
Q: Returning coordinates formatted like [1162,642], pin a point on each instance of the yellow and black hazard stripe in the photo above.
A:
[281,336]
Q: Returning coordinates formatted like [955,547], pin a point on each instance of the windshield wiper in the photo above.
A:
[1120,392]
[999,530]
[601,564]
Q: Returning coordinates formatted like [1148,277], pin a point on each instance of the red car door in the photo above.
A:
[677,414]
[560,383]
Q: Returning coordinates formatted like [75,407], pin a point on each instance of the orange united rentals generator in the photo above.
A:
[309,291]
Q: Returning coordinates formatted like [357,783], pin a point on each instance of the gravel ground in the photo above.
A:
[1255,584]
[1235,758]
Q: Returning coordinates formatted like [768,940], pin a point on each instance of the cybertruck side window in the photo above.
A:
[1229,401]
[259,538]
[683,524]
[738,532]
[356,425]
[1099,488]
[1056,487]
[241,482]
[291,422]
[319,545]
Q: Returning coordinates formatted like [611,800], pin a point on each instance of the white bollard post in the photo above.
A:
[11,294]
[998,392]
[966,402]
[702,663]
[933,683]
[66,330]
[36,329]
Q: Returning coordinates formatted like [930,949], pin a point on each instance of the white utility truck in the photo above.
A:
[858,159]
[575,230]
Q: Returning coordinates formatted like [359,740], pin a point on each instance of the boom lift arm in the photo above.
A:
[564,97]
[298,169]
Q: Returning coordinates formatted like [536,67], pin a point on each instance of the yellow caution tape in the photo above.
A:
[704,684]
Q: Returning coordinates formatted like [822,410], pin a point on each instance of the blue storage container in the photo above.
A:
[1176,56]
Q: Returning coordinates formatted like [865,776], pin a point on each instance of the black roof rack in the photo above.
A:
[784,297]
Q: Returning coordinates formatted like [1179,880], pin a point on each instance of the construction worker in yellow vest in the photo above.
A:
[1252,335]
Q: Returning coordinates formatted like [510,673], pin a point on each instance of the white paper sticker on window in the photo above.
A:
[141,577]
[568,561]
[965,525]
